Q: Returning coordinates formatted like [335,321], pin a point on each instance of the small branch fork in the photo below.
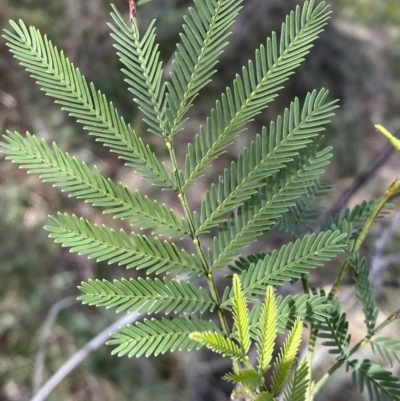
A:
[391,318]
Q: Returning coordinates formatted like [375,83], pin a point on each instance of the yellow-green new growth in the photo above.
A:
[267,331]
[247,378]
[218,343]
[241,315]
[392,139]
[286,357]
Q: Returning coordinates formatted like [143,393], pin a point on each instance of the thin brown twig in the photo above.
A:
[132,9]
[363,178]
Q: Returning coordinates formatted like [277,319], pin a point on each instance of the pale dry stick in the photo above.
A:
[44,336]
[80,355]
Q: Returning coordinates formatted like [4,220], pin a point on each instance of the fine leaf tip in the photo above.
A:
[392,139]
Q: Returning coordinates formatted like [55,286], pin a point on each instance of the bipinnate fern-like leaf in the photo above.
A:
[246,377]
[147,295]
[256,87]
[334,331]
[296,389]
[104,244]
[140,57]
[286,357]
[267,331]
[365,293]
[292,260]
[218,343]
[260,212]
[66,172]
[381,385]
[387,349]
[203,40]
[58,77]
[240,315]
[269,153]
[153,337]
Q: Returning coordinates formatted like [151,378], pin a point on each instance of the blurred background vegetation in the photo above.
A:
[357,59]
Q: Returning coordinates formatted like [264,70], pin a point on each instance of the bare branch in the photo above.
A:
[80,355]
[44,336]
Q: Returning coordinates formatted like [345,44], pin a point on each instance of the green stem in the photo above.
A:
[310,357]
[392,190]
[311,343]
[304,283]
[391,318]
[196,241]
[210,279]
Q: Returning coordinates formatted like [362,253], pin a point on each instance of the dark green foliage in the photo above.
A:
[298,385]
[334,331]
[365,293]
[380,384]
[387,348]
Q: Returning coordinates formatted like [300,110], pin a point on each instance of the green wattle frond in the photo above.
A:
[246,377]
[365,292]
[269,153]
[240,315]
[267,331]
[381,384]
[203,40]
[218,343]
[143,69]
[132,251]
[334,331]
[147,295]
[298,385]
[58,77]
[292,260]
[75,177]
[256,87]
[154,337]
[262,210]
[286,357]
[387,348]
